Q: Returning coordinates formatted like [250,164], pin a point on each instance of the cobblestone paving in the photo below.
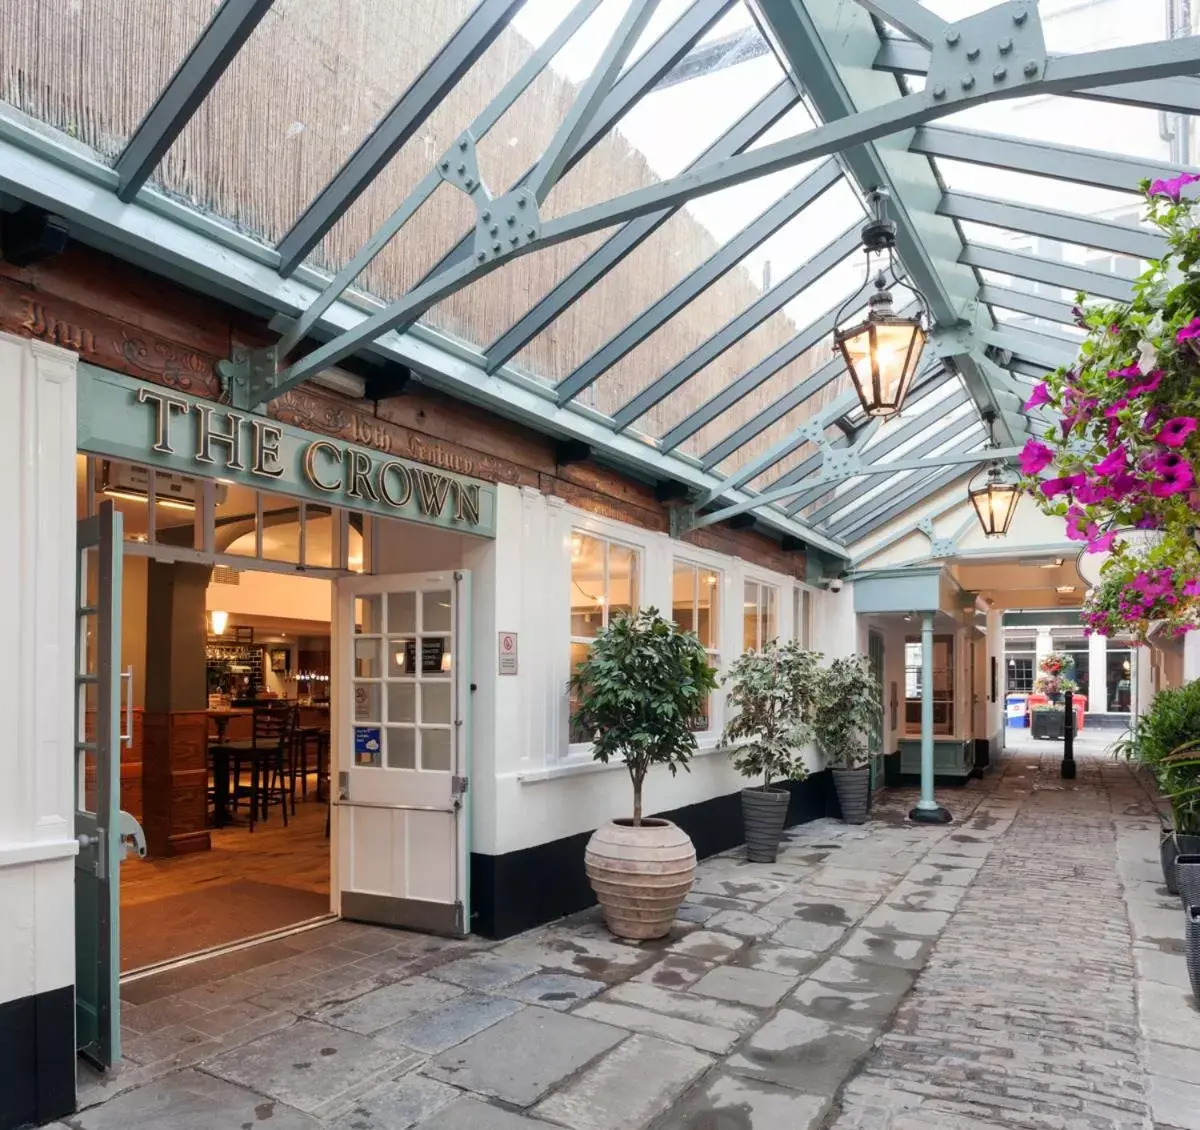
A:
[1021,967]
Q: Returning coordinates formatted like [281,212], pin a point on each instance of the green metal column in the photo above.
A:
[928,811]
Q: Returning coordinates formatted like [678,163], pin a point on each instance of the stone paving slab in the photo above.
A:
[730,1102]
[190,1100]
[801,1052]
[521,1058]
[397,1105]
[309,1065]
[629,1086]
[1019,969]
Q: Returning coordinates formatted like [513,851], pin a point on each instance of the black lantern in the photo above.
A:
[995,498]
[883,350]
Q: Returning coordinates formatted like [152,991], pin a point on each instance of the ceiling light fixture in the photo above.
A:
[220,621]
[882,351]
[995,498]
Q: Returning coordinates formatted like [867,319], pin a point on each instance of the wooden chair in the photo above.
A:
[267,753]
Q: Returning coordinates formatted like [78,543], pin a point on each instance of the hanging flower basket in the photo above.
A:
[1120,453]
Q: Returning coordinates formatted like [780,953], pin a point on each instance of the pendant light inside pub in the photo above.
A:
[883,350]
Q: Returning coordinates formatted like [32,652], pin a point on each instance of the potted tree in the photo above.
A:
[771,691]
[845,708]
[637,694]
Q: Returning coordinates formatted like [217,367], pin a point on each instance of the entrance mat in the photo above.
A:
[211,916]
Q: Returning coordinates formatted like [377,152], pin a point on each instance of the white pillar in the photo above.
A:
[996,711]
[1043,646]
[1097,673]
[1191,656]
[37,810]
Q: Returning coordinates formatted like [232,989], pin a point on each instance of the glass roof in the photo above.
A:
[664,284]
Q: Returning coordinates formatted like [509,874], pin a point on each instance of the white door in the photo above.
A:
[401,750]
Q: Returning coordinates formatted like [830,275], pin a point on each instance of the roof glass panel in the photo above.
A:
[668,255]
[298,99]
[92,70]
[767,266]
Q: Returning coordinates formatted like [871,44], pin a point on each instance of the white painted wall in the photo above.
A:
[529,786]
[37,508]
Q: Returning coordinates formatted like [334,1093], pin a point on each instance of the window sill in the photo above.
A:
[581,768]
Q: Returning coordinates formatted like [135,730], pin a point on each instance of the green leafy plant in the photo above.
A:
[846,708]
[638,692]
[772,693]
[1164,740]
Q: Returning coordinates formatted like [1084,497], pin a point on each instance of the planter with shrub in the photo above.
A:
[770,695]
[637,694]
[1163,742]
[845,709]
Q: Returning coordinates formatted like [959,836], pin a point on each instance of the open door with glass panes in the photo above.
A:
[401,748]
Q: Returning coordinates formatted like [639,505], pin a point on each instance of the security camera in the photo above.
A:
[836,584]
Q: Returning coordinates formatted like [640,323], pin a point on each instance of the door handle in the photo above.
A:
[127,679]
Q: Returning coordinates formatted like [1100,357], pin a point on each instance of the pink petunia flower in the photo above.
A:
[1191,588]
[1189,332]
[1174,433]
[1039,396]
[1113,462]
[1065,485]
[1172,188]
[1150,384]
[1035,457]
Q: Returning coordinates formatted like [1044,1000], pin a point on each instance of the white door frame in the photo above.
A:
[378,808]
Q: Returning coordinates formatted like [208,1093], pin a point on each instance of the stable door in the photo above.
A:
[401,747]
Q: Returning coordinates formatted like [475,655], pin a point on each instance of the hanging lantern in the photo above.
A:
[995,498]
[882,351]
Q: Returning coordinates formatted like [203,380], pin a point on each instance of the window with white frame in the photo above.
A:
[604,583]
[802,621]
[696,608]
[760,615]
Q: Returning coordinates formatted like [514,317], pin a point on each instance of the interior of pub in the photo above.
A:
[225,722]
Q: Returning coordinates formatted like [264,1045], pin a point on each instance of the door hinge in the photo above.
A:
[459,786]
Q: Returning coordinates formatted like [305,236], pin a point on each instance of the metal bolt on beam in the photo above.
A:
[939,91]
[973,54]
[953,36]
[1000,74]
[968,81]
[1031,69]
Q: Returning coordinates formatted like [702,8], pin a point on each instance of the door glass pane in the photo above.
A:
[622,580]
[367,701]
[435,702]
[435,750]
[402,702]
[320,536]
[366,658]
[402,657]
[683,596]
[401,747]
[435,611]
[402,612]
[435,656]
[280,528]
[236,520]
[770,614]
[579,652]
[368,614]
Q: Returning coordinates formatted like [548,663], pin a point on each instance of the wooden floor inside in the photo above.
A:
[248,884]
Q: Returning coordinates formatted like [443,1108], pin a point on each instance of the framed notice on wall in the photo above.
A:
[507,658]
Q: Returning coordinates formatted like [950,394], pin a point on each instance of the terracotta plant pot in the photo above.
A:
[640,875]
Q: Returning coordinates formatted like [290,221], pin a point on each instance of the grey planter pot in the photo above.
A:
[1193,950]
[764,812]
[1187,879]
[1167,851]
[853,788]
